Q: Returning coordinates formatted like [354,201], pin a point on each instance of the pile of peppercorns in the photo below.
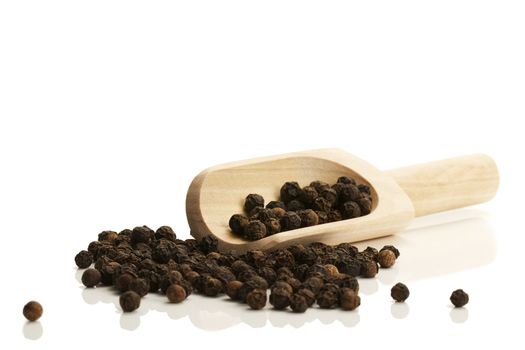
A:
[140,261]
[298,207]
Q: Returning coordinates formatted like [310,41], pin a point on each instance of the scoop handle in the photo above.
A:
[449,183]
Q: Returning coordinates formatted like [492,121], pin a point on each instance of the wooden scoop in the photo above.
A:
[398,195]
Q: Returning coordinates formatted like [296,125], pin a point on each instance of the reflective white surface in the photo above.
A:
[108,109]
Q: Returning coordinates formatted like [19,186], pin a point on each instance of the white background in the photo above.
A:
[108,109]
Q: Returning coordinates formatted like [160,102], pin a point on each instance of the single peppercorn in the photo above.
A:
[459,298]
[349,299]
[365,205]
[369,268]
[330,195]
[298,303]
[253,200]
[273,226]
[290,191]
[319,186]
[290,221]
[232,289]
[176,293]
[256,299]
[84,259]
[280,298]
[346,180]
[141,286]
[142,234]
[350,210]
[392,249]
[237,223]
[32,311]
[327,299]
[212,287]
[255,230]
[308,217]
[399,292]
[123,281]
[91,277]
[129,301]
[309,194]
[386,258]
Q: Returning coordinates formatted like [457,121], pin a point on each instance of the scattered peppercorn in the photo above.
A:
[175,293]
[298,303]
[256,299]
[91,277]
[349,299]
[32,310]
[399,292]
[459,298]
[141,261]
[129,301]
[84,259]
[386,258]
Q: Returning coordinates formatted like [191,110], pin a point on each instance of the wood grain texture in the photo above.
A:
[448,184]
[218,192]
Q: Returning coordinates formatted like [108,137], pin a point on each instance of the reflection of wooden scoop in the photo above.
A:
[398,195]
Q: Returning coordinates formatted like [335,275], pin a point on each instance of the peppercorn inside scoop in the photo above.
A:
[315,204]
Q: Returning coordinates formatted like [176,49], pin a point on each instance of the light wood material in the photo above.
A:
[218,192]
[448,184]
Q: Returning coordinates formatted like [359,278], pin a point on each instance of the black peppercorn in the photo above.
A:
[84,259]
[386,258]
[255,230]
[393,249]
[32,311]
[350,210]
[280,298]
[176,293]
[365,205]
[232,289]
[308,195]
[142,234]
[91,277]
[330,195]
[334,215]
[212,287]
[327,299]
[369,268]
[253,200]
[459,298]
[295,205]
[140,286]
[165,232]
[237,223]
[290,221]
[123,281]
[308,217]
[298,303]
[290,191]
[319,186]
[349,299]
[108,236]
[346,180]
[256,299]
[273,226]
[399,292]
[129,301]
